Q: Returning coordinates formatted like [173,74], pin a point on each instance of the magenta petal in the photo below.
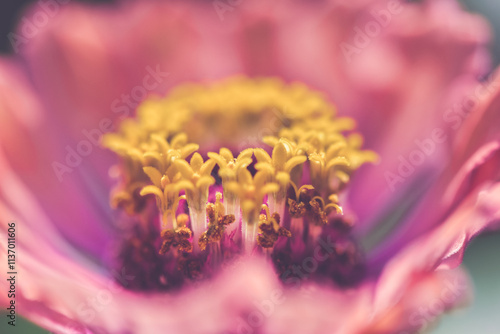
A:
[400,85]
[443,199]
[443,247]
[481,125]
[81,223]
[88,57]
[484,166]
[420,302]
[20,114]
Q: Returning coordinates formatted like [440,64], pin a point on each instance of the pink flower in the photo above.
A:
[412,75]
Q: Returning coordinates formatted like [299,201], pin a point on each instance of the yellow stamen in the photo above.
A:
[194,119]
[228,170]
[250,191]
[217,223]
[270,229]
[285,157]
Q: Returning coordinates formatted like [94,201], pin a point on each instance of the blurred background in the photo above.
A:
[482,257]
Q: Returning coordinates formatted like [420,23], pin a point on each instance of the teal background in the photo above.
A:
[490,9]
[482,258]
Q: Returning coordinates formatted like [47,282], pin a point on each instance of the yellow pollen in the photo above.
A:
[167,150]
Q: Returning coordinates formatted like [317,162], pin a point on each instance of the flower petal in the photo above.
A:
[398,85]
[443,247]
[442,200]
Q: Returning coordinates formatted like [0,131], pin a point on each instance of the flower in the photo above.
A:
[337,235]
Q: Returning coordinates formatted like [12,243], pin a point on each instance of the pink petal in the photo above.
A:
[425,299]
[80,220]
[474,160]
[443,199]
[88,57]
[481,125]
[443,247]
[20,113]
[399,86]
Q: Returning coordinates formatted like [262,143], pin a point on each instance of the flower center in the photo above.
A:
[270,186]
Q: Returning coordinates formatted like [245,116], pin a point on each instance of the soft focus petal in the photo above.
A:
[469,166]
[427,296]
[444,246]
[71,204]
[20,113]
[87,60]
[443,200]
[400,86]
[482,125]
